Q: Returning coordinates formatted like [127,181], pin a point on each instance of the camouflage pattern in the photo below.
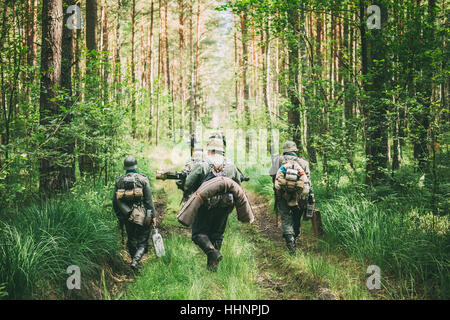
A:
[202,168]
[290,146]
[291,216]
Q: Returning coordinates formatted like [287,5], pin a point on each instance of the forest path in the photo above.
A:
[282,280]
[268,271]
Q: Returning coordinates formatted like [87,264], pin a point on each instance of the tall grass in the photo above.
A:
[40,242]
[378,234]
[390,226]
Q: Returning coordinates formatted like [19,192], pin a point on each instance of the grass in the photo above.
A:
[182,273]
[40,242]
[379,235]
[390,226]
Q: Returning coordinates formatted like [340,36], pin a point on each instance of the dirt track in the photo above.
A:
[281,281]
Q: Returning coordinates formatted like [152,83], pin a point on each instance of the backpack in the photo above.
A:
[130,192]
[224,200]
[133,195]
[216,170]
[289,181]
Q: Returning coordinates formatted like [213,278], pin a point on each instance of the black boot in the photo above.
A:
[290,244]
[211,252]
[137,257]
[217,244]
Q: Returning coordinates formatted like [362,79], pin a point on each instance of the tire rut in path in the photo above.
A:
[281,281]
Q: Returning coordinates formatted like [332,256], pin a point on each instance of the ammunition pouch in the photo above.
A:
[224,200]
[137,215]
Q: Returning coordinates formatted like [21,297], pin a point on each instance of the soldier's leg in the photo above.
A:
[142,236]
[297,213]
[287,223]
[131,238]
[200,236]
[217,227]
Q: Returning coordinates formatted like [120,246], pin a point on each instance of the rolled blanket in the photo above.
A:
[211,188]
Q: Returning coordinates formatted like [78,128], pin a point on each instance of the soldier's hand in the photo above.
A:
[154,222]
[148,221]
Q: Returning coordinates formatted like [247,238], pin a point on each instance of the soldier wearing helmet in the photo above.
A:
[291,215]
[133,205]
[197,156]
[209,225]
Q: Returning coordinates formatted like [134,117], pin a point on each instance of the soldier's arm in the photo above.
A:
[194,178]
[308,174]
[148,199]
[307,185]
[114,200]
[274,168]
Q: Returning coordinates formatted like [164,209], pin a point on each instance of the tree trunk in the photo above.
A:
[168,83]
[245,84]
[91,25]
[181,60]
[150,79]
[197,64]
[293,63]
[133,71]
[375,109]
[51,175]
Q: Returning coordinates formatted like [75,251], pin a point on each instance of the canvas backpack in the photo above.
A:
[289,182]
[224,200]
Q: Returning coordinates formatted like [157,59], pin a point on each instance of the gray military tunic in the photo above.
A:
[137,235]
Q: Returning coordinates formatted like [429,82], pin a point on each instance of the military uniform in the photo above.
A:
[197,157]
[210,222]
[291,215]
[137,235]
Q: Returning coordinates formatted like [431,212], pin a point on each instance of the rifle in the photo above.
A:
[192,144]
[243,177]
[173,175]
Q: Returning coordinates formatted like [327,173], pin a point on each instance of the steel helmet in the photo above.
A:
[130,163]
[215,144]
[290,146]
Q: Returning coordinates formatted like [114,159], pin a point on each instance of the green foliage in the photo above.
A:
[3,292]
[40,241]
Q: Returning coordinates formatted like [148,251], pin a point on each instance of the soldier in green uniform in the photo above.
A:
[197,156]
[133,205]
[291,215]
[210,222]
